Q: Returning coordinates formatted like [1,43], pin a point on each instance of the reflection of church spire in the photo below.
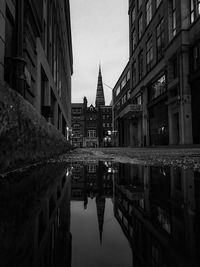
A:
[100,101]
[100,202]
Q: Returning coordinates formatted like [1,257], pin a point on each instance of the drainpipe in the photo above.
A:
[18,60]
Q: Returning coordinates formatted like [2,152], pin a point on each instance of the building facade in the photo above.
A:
[78,124]
[36,56]
[95,121]
[164,72]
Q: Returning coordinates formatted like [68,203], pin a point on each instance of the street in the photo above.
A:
[186,157]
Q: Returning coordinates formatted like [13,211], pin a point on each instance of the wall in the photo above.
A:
[25,136]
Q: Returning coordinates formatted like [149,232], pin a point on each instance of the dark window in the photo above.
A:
[140,27]
[134,73]
[149,55]
[160,39]
[157,88]
[140,65]
[133,40]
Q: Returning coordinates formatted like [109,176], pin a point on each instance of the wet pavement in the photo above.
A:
[100,213]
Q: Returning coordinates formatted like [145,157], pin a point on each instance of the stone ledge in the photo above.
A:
[25,136]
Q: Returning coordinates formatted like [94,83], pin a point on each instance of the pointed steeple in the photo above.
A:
[100,100]
[100,203]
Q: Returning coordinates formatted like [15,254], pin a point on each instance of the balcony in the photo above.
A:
[131,110]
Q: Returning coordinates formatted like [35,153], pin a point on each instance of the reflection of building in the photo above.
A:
[36,222]
[97,120]
[164,67]
[36,55]
[155,207]
[93,180]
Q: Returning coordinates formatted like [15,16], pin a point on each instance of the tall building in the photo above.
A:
[164,72]
[97,126]
[36,56]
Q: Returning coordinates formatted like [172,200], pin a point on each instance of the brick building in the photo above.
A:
[78,124]
[95,122]
[36,56]
[164,72]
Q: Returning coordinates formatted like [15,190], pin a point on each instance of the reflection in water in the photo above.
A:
[97,238]
[35,218]
[158,210]
[121,215]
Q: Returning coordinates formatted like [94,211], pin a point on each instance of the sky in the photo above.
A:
[99,35]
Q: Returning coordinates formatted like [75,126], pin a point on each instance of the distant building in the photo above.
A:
[164,73]
[97,126]
[78,124]
[36,56]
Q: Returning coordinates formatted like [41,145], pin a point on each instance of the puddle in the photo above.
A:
[100,215]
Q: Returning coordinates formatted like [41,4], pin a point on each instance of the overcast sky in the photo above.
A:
[99,34]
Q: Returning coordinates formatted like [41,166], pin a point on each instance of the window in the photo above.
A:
[173,18]
[133,15]
[160,39]
[91,133]
[191,11]
[134,73]
[133,40]
[139,4]
[140,65]
[198,6]
[175,68]
[157,88]
[196,57]
[123,82]
[140,27]
[124,99]
[148,11]
[149,55]
[118,90]
[76,126]
[158,3]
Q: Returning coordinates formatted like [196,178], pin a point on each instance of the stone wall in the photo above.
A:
[25,136]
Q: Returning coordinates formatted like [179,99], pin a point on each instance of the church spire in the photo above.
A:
[100,203]
[100,100]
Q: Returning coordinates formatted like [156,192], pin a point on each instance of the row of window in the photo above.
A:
[123,99]
[172,22]
[76,110]
[123,83]
[91,133]
[149,53]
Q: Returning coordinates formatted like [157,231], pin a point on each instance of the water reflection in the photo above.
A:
[97,238]
[35,217]
[120,215]
[158,210]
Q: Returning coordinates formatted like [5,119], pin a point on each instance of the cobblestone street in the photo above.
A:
[180,157]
